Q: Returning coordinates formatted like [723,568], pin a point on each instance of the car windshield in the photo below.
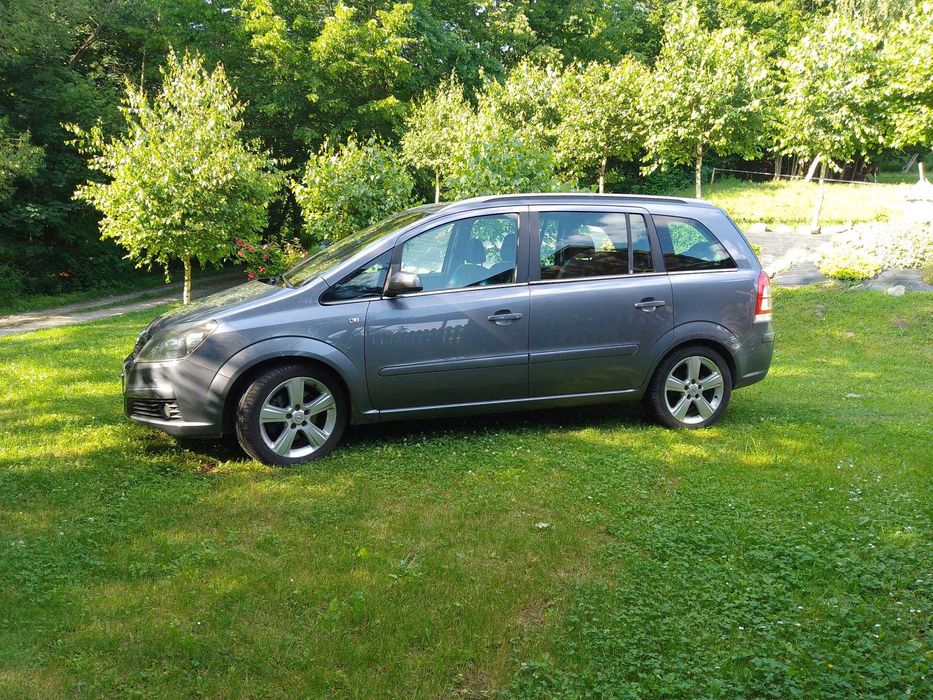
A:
[313,266]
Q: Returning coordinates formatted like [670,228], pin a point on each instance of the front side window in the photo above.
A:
[365,282]
[474,252]
[689,245]
[593,244]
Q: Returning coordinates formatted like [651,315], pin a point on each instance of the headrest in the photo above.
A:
[474,252]
[507,249]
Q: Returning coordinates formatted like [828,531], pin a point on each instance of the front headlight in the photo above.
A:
[176,342]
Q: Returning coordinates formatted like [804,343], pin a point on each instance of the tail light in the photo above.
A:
[763,302]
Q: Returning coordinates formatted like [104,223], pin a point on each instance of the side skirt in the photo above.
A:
[465,409]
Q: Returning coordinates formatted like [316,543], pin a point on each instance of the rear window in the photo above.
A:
[688,245]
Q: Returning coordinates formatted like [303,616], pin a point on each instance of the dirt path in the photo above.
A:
[112,306]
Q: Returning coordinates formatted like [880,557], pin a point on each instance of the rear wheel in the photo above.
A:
[691,388]
[291,414]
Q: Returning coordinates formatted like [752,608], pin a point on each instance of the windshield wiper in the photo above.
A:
[278,279]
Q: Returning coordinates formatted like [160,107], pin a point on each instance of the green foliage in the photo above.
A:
[268,259]
[600,109]
[708,92]
[19,158]
[361,68]
[434,130]
[849,264]
[348,188]
[831,98]
[908,78]
[496,160]
[927,273]
[180,184]
[866,250]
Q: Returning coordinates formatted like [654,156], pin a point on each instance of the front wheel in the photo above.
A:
[691,388]
[291,414]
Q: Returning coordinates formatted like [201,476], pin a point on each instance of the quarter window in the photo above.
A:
[472,252]
[365,282]
[689,245]
[593,244]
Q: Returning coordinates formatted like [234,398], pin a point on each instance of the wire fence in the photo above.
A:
[778,176]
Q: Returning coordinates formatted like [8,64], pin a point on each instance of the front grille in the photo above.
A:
[160,409]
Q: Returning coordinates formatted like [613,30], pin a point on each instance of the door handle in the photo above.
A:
[649,304]
[503,317]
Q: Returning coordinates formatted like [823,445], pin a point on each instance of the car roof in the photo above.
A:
[569,198]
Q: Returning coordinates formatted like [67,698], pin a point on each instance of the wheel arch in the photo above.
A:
[242,368]
[710,335]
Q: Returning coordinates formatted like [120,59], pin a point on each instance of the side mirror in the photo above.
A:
[403,283]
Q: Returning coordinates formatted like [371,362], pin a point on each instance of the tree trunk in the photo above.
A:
[186,294]
[778,165]
[815,224]
[602,175]
[699,172]
[437,186]
[812,170]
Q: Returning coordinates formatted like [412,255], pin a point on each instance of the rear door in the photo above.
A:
[599,300]
[464,338]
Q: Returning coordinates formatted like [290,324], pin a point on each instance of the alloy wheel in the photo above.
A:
[693,390]
[297,417]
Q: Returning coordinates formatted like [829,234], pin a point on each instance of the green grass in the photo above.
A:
[792,202]
[786,552]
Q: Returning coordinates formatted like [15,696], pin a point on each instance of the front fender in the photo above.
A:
[299,347]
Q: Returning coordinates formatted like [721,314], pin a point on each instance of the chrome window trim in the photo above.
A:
[449,291]
[600,277]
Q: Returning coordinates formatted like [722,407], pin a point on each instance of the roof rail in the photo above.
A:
[570,196]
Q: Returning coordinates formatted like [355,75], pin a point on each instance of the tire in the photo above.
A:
[271,430]
[691,388]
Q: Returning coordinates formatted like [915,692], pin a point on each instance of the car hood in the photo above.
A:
[216,305]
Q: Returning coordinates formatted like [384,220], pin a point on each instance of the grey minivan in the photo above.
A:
[495,303]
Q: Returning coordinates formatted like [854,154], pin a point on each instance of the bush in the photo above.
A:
[268,259]
[12,282]
[346,189]
[849,265]
[927,273]
[867,250]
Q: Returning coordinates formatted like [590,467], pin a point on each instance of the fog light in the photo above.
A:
[166,411]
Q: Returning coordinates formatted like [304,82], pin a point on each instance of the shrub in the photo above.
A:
[867,250]
[351,187]
[927,273]
[849,265]
[268,259]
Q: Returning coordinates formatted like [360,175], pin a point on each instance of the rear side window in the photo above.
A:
[577,244]
[688,245]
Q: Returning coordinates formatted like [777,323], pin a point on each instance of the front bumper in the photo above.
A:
[174,397]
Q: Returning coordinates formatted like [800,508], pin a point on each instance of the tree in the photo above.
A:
[908,79]
[832,97]
[708,92]
[434,131]
[495,159]
[348,188]
[601,108]
[180,183]
[19,157]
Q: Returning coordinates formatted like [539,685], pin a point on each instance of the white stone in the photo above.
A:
[896,291]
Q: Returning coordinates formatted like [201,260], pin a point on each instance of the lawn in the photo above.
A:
[792,201]
[786,552]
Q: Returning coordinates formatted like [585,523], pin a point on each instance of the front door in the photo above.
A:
[599,304]
[464,338]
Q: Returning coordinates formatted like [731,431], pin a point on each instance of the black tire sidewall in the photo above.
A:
[655,400]
[250,404]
